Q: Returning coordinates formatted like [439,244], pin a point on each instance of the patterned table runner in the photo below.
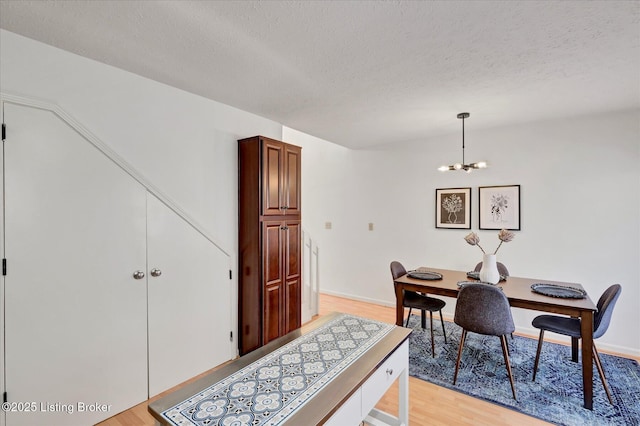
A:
[267,391]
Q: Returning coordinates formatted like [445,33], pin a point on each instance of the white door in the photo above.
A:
[75,317]
[189,303]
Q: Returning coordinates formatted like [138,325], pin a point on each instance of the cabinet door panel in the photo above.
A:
[293,276]
[189,303]
[75,233]
[272,178]
[293,302]
[292,249]
[272,252]
[292,180]
[272,234]
[272,313]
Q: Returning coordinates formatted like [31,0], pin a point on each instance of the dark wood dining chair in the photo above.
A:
[571,327]
[484,309]
[412,299]
[502,270]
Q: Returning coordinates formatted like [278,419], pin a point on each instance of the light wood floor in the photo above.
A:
[428,404]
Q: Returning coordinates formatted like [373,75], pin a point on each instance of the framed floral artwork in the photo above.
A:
[499,207]
[453,208]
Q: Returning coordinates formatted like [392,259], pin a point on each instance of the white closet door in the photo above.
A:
[189,303]
[75,316]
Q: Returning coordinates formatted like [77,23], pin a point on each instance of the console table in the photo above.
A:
[331,371]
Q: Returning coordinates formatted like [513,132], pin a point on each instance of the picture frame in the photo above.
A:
[499,207]
[453,208]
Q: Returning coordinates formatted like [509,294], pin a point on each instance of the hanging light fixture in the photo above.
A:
[463,166]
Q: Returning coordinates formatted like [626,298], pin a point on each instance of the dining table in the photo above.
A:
[520,295]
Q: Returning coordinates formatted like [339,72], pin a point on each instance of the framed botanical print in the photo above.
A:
[453,208]
[499,207]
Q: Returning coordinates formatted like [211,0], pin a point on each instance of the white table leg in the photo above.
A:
[403,397]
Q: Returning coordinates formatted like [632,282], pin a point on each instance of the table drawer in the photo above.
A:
[384,376]
[350,413]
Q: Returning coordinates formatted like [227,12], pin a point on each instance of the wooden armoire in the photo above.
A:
[270,230]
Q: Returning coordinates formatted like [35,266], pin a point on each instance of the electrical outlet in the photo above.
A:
[370,226]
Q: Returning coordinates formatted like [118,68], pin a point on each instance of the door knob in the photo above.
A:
[155,272]
[138,275]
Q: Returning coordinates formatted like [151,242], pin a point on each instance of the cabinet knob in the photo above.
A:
[155,272]
[138,275]
[390,371]
[284,228]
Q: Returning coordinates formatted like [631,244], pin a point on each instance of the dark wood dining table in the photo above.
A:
[520,295]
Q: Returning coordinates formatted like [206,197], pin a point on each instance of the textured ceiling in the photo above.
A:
[361,73]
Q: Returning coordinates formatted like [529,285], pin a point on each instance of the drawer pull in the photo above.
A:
[390,371]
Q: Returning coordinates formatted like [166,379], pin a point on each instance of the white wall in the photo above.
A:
[326,196]
[580,182]
[184,144]
[580,191]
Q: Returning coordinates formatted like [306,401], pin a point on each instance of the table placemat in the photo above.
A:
[425,275]
[267,391]
[554,290]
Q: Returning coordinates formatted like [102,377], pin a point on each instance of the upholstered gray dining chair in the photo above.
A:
[502,270]
[571,327]
[484,309]
[412,299]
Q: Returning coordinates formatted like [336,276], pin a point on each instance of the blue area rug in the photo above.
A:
[555,396]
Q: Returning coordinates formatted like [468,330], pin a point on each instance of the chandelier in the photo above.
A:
[463,166]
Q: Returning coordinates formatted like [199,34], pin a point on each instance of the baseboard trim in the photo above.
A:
[358,298]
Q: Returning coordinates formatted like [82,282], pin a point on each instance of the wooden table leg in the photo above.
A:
[399,307]
[586,332]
